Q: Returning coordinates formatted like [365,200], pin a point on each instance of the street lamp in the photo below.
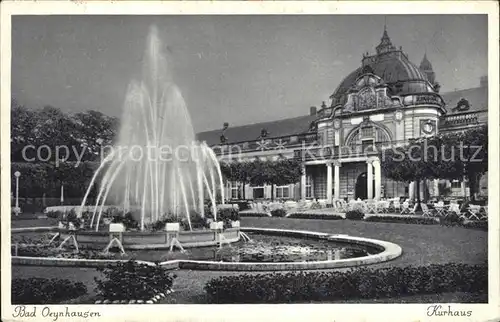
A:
[17,210]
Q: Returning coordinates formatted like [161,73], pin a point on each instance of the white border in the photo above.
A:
[306,312]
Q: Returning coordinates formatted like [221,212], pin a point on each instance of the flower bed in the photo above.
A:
[132,282]
[254,214]
[362,283]
[45,291]
[299,215]
[402,219]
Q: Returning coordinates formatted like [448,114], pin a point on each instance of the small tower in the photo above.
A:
[426,68]
[385,43]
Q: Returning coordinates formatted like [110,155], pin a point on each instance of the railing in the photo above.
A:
[276,143]
[462,119]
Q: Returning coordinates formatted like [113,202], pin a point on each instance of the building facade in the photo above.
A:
[384,103]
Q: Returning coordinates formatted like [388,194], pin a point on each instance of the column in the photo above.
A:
[303,183]
[369,179]
[336,173]
[378,179]
[329,184]
[436,188]
[411,190]
[462,186]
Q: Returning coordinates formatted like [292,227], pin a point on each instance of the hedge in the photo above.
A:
[402,219]
[278,212]
[355,214]
[254,214]
[132,280]
[36,290]
[299,215]
[358,283]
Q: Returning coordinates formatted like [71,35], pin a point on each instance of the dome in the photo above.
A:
[393,66]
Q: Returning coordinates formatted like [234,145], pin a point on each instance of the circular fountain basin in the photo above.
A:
[360,251]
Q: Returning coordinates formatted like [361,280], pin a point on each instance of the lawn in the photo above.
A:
[422,244]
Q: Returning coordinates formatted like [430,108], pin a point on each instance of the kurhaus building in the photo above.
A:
[383,103]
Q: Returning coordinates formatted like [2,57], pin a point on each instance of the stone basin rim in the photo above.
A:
[389,252]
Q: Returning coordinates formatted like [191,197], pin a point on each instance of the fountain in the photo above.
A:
[156,166]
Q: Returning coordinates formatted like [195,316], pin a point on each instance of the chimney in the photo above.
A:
[483,81]
[313,110]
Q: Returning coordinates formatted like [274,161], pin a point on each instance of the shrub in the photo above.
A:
[402,219]
[278,212]
[482,225]
[360,283]
[54,214]
[132,280]
[254,214]
[315,216]
[36,290]
[452,219]
[228,214]
[127,219]
[354,214]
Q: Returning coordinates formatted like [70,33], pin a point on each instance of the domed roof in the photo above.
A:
[393,66]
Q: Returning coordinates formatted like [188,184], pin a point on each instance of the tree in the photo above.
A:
[280,172]
[93,131]
[449,156]
[240,172]
[406,164]
[460,155]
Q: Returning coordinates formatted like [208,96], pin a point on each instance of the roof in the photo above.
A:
[251,132]
[393,66]
[476,97]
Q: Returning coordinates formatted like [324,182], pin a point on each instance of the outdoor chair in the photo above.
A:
[440,209]
[383,206]
[454,208]
[426,212]
[473,212]
[405,209]
[342,206]
[483,213]
[371,206]
[397,205]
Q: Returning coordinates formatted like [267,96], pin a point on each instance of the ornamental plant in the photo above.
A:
[36,290]
[133,281]
[280,212]
[355,214]
[315,216]
[354,284]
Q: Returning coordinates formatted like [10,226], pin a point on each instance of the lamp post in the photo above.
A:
[62,194]
[17,210]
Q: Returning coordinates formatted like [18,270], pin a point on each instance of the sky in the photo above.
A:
[235,69]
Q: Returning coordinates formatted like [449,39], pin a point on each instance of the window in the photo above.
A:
[234,190]
[309,191]
[367,132]
[367,145]
[458,184]
[258,192]
[283,192]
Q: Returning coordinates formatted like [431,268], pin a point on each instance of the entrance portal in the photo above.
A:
[361,190]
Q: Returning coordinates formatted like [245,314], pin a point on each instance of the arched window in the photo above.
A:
[369,133]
